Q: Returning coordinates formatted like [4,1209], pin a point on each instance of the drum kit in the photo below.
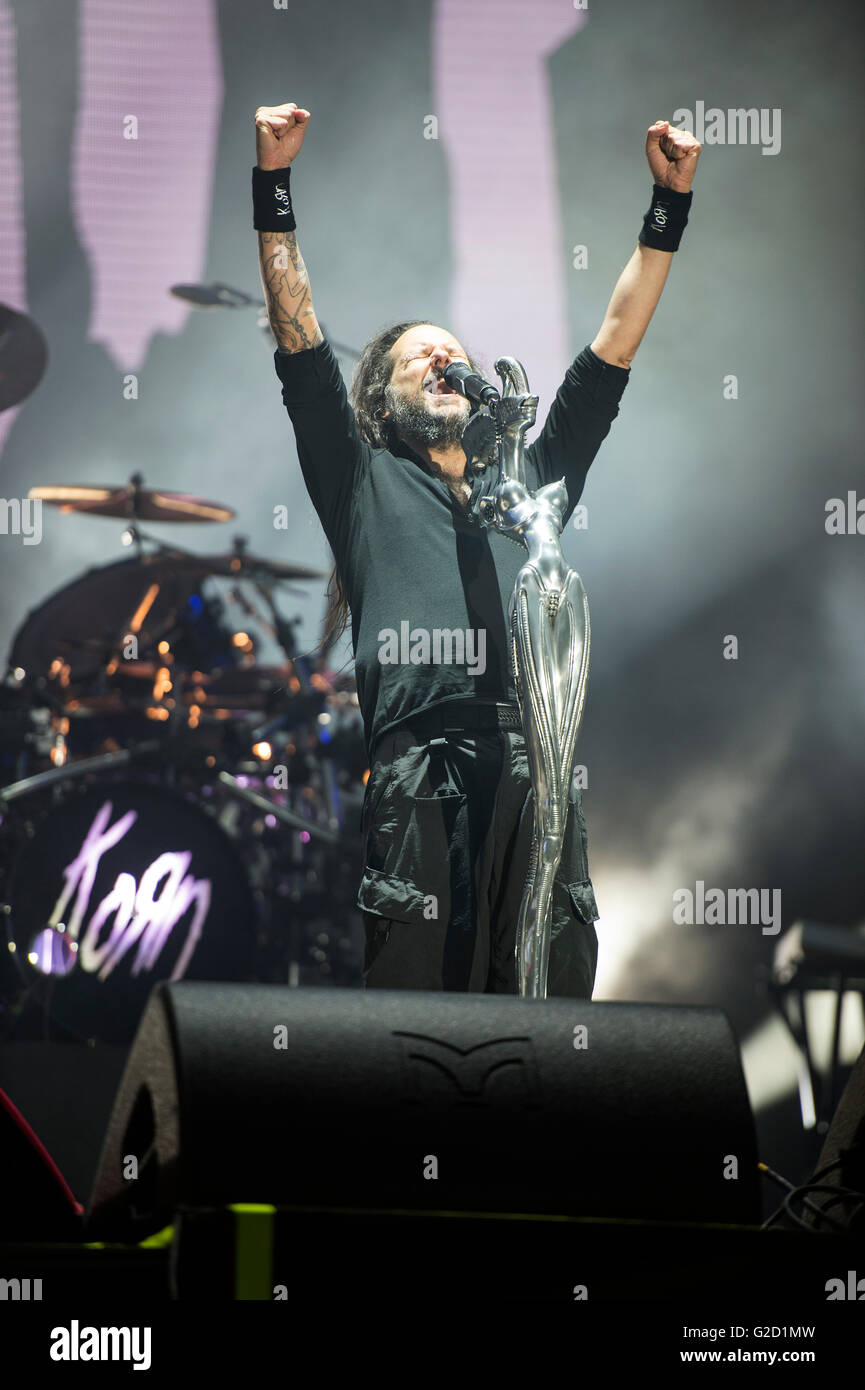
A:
[172,803]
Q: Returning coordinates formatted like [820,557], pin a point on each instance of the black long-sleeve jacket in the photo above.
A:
[410,554]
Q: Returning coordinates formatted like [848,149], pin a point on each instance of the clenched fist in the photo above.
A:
[279,132]
[672,156]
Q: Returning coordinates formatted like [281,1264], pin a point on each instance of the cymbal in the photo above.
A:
[215,296]
[233,564]
[131,502]
[23,356]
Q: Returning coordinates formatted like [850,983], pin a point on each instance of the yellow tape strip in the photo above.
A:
[253,1251]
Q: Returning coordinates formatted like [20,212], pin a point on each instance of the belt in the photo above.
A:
[463,715]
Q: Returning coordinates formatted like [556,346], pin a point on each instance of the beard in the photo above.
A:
[416,420]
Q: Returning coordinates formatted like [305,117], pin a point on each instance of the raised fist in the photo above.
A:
[279,132]
[672,154]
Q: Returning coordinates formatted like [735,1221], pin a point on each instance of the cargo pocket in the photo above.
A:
[428,829]
[420,817]
[582,896]
[575,858]
[417,859]
[574,944]
[392,898]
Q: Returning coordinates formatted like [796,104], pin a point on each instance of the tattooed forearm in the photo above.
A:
[286,292]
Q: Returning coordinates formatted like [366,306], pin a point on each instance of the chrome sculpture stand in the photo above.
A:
[549,615]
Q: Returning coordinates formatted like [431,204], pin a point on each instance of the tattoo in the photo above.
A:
[286,292]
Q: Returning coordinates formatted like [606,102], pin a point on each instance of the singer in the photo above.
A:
[447,814]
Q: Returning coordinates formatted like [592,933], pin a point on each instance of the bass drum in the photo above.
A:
[112,886]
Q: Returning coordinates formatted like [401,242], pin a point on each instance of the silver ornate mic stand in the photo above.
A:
[549,615]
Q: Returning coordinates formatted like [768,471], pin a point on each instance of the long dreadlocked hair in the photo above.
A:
[371,378]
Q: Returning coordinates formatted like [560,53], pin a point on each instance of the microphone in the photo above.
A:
[460,377]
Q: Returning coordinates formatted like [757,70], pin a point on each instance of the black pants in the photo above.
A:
[448,827]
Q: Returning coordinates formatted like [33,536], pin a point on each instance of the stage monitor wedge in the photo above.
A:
[407,1100]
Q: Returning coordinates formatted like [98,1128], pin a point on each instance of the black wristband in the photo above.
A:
[271,200]
[666,219]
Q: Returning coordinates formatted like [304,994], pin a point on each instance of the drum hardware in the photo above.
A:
[272,808]
[103,763]
[236,563]
[184,635]
[187,723]
[117,720]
